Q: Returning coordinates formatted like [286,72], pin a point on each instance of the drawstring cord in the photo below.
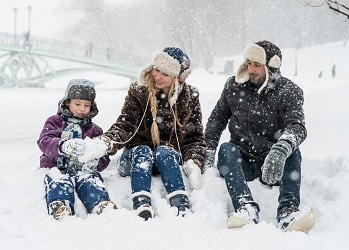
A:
[139,125]
[175,129]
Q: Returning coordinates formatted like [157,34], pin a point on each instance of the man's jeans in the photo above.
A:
[237,172]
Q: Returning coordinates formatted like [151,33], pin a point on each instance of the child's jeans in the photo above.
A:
[89,187]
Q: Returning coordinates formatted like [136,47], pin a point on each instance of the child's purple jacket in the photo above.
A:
[50,137]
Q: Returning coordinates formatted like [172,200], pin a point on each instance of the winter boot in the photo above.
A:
[103,206]
[142,205]
[246,214]
[179,199]
[60,209]
[291,219]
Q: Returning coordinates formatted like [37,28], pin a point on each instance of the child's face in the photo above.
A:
[79,108]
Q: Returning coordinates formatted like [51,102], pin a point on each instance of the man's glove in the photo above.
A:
[192,170]
[209,159]
[95,148]
[73,147]
[273,167]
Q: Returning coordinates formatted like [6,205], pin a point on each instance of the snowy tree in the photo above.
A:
[202,28]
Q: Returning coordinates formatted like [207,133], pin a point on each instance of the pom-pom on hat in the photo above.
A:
[171,61]
[263,52]
[80,89]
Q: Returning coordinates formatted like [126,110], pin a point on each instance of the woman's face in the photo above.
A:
[163,81]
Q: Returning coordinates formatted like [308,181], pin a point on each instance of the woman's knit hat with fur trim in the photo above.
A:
[171,61]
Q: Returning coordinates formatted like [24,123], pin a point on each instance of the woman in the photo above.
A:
[160,129]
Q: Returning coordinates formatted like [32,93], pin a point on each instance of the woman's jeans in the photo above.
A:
[141,162]
[89,187]
[237,172]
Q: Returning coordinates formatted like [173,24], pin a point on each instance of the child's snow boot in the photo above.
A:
[142,204]
[179,200]
[246,214]
[60,209]
[103,206]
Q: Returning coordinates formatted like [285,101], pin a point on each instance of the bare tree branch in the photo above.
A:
[337,7]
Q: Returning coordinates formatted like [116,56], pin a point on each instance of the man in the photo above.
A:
[266,125]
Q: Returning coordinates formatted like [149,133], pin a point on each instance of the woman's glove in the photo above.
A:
[273,167]
[73,147]
[94,149]
[193,172]
[209,159]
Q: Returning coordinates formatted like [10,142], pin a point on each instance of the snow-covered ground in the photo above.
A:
[24,223]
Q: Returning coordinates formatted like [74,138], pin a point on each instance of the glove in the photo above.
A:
[209,159]
[91,165]
[273,167]
[94,149]
[73,147]
[192,170]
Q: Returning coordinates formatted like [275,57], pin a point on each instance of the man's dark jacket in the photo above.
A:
[257,121]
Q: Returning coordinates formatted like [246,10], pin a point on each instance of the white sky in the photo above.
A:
[47,16]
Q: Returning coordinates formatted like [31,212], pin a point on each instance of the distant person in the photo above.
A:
[26,43]
[160,129]
[61,142]
[87,49]
[266,123]
[90,48]
[334,71]
[108,53]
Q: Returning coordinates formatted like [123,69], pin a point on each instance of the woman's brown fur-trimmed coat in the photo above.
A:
[190,136]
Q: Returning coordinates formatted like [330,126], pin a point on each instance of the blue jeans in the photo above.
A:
[140,163]
[89,187]
[237,172]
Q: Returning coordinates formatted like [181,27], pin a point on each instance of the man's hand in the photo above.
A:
[273,167]
[209,159]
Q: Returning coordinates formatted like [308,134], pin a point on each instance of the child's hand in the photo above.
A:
[91,165]
[73,147]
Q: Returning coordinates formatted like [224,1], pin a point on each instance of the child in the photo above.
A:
[61,141]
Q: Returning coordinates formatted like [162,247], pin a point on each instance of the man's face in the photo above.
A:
[256,71]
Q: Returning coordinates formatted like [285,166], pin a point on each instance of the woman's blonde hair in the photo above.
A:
[155,134]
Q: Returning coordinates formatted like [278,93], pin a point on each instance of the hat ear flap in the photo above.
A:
[142,76]
[185,74]
[176,90]
[275,62]
[242,74]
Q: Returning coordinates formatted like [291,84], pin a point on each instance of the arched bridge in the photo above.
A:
[23,62]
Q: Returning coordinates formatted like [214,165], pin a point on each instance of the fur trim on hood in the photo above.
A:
[80,89]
